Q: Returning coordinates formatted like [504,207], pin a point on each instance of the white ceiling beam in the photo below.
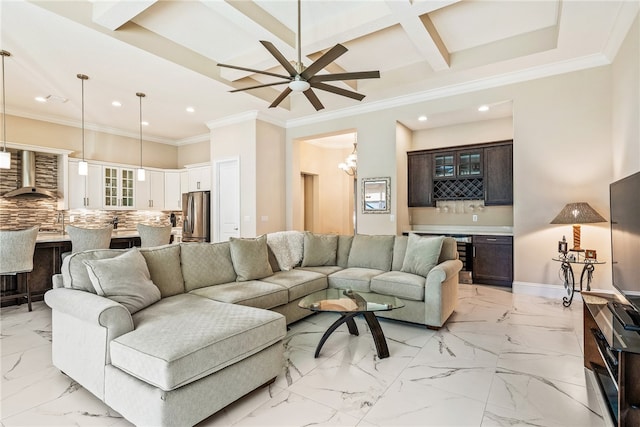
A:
[113,14]
[422,34]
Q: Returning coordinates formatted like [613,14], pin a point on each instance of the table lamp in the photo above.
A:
[576,214]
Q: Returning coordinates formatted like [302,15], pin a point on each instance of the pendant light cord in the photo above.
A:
[82,78]
[140,95]
[4,105]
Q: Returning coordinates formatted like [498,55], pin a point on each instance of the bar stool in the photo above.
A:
[154,235]
[84,239]
[16,258]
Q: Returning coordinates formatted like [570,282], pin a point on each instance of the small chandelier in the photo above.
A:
[83,166]
[350,164]
[5,156]
[141,174]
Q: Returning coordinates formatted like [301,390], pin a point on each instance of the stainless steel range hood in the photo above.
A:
[28,174]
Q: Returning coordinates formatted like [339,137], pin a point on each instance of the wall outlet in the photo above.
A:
[474,218]
[392,218]
[72,218]
[247,218]
[264,218]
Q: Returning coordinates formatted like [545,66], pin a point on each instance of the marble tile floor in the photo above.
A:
[501,360]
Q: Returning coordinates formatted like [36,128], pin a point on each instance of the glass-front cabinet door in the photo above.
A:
[470,164]
[444,165]
[118,188]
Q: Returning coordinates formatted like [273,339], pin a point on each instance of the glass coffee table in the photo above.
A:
[349,304]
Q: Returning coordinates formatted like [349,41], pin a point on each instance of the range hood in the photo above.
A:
[28,173]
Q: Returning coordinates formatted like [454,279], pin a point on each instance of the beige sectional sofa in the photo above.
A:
[170,335]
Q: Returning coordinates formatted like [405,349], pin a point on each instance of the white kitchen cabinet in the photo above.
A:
[150,192]
[173,191]
[118,188]
[85,192]
[199,178]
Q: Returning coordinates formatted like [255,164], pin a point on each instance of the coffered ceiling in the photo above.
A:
[169,50]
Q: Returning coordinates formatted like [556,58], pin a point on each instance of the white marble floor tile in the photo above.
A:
[242,408]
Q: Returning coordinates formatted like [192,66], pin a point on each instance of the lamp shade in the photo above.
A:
[578,213]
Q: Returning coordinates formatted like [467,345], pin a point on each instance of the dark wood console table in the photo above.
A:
[613,354]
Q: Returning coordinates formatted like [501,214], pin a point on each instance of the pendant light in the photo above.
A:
[5,156]
[83,166]
[141,176]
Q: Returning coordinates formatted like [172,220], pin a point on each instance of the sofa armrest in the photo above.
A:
[57,281]
[91,308]
[444,271]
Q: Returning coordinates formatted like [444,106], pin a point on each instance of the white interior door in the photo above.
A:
[228,200]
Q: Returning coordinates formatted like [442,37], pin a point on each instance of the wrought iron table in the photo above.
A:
[566,273]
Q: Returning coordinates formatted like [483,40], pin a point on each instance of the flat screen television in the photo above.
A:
[625,247]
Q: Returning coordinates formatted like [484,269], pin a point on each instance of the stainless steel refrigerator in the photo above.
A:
[195,216]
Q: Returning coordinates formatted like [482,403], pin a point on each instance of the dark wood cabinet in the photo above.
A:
[475,172]
[498,180]
[612,353]
[493,260]
[420,179]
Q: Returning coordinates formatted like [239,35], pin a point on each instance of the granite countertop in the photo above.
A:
[121,233]
[462,230]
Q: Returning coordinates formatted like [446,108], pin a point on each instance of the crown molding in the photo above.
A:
[205,137]
[245,117]
[532,73]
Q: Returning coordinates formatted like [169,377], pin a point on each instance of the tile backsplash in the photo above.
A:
[26,211]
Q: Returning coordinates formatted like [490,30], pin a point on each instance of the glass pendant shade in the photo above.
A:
[141,174]
[5,160]
[83,168]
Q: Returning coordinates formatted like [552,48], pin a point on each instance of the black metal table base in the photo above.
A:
[374,326]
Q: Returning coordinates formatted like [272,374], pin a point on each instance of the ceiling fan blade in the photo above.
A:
[345,76]
[282,96]
[326,59]
[251,70]
[279,57]
[313,99]
[338,91]
[259,86]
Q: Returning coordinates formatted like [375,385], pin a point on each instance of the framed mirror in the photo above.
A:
[376,195]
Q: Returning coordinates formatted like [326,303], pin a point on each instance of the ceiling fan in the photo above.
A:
[305,79]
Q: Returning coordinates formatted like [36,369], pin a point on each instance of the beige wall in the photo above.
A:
[98,145]
[334,201]
[199,152]
[404,143]
[625,111]
[270,177]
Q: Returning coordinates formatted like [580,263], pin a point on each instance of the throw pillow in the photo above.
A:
[422,254]
[250,258]
[124,279]
[164,267]
[371,252]
[287,248]
[319,249]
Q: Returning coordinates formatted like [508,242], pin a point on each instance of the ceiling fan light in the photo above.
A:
[299,85]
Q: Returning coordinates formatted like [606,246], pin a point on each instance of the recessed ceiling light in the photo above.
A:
[116,104]
[145,123]
[190,110]
[483,108]
[41,99]
[422,118]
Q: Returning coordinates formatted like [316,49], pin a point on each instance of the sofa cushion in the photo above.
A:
[74,271]
[253,293]
[319,249]
[124,279]
[399,250]
[398,284]
[344,246]
[322,269]
[298,282]
[371,252]
[186,337]
[449,250]
[250,258]
[205,264]
[357,279]
[164,266]
[422,254]
[287,246]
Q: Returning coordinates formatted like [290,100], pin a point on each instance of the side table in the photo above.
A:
[588,266]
